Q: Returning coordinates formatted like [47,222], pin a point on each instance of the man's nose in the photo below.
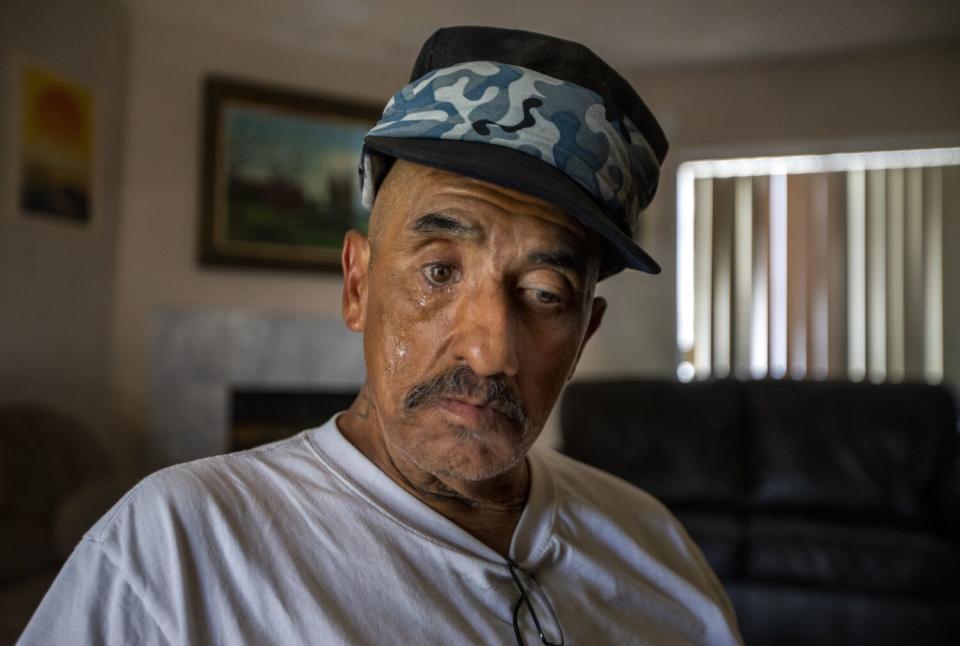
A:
[486,334]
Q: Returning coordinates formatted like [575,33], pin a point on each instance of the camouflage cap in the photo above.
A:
[531,112]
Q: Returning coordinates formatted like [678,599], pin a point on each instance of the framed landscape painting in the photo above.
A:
[279,184]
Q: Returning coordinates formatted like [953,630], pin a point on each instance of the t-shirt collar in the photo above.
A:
[531,539]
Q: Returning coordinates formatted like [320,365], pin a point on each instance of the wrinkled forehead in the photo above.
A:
[413,190]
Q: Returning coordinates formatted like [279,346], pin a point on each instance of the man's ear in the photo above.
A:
[355,261]
[597,309]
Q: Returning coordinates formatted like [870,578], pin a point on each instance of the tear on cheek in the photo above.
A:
[388,348]
[396,356]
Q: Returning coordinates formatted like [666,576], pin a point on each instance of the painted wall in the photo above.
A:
[157,261]
[895,98]
[56,281]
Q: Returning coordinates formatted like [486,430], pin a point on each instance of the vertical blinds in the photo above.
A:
[816,266]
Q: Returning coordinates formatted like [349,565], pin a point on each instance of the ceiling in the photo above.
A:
[630,34]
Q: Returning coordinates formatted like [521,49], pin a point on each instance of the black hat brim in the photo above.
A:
[522,172]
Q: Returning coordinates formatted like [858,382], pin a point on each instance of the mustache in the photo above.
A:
[462,381]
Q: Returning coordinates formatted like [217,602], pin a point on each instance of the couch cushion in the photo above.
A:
[26,546]
[778,615]
[721,538]
[851,557]
[18,601]
[44,455]
[683,443]
[875,449]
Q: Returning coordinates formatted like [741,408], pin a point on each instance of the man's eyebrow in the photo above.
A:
[432,223]
[562,259]
[565,259]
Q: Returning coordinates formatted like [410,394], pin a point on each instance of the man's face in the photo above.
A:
[475,302]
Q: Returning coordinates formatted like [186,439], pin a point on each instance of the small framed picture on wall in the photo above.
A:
[56,128]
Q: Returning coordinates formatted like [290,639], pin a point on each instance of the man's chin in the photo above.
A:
[462,442]
[471,454]
[479,468]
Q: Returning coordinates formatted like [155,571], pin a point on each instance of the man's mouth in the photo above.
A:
[478,402]
[474,412]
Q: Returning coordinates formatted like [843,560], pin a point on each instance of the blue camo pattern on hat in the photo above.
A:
[560,123]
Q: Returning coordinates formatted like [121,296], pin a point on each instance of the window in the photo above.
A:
[815,266]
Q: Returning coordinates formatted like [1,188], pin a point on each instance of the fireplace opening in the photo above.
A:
[261,416]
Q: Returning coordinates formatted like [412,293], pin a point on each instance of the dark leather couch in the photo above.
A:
[830,510]
[55,481]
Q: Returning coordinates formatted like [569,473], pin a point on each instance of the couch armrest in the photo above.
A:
[78,512]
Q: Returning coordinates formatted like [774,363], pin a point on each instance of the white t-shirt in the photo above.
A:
[305,541]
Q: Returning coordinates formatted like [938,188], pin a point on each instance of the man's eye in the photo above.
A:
[439,274]
[545,297]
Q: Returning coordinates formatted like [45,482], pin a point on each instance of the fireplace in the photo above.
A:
[262,416]
[202,359]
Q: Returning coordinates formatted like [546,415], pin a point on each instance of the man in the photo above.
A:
[505,180]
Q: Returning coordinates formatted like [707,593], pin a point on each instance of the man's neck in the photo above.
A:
[488,510]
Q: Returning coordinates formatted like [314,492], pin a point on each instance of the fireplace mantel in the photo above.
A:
[199,355]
